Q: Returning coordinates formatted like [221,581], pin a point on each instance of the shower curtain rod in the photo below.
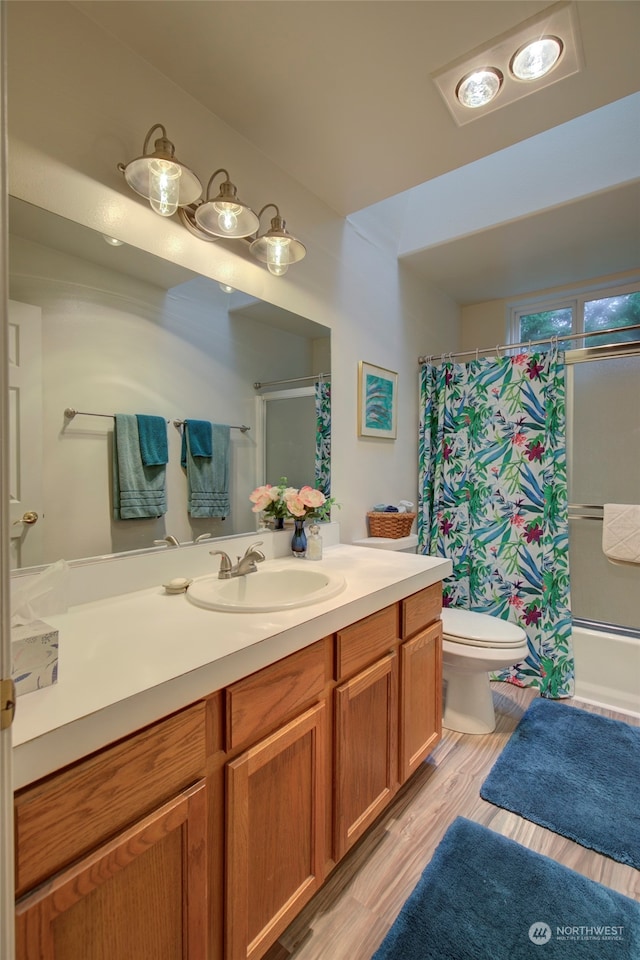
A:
[532,343]
[271,383]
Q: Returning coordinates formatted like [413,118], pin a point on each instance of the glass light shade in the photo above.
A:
[164,186]
[225,219]
[278,255]
[138,175]
[226,215]
[277,248]
[159,177]
[536,59]
[479,88]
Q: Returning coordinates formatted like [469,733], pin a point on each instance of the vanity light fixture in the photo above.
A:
[277,248]
[171,187]
[225,215]
[538,52]
[160,177]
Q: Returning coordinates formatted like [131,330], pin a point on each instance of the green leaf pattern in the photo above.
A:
[323,437]
[493,498]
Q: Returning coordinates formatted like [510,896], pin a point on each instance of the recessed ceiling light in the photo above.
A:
[533,55]
[479,87]
[112,241]
[534,60]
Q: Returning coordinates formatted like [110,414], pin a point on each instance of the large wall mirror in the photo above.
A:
[104,329]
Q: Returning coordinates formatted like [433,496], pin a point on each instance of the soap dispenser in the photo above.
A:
[314,542]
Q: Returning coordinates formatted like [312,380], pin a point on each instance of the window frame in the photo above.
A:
[561,300]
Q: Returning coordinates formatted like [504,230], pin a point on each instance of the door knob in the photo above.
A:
[29,517]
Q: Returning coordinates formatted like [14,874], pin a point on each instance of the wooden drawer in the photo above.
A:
[365,641]
[68,814]
[270,697]
[421,609]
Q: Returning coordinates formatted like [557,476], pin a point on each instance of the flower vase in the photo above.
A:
[278,523]
[299,539]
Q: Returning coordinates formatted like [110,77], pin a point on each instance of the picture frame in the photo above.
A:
[377,402]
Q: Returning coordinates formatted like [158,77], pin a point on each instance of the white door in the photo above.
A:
[25,434]
[6,771]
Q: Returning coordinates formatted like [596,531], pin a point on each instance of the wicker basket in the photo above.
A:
[390,525]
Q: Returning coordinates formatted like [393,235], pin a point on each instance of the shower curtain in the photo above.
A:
[493,498]
[323,437]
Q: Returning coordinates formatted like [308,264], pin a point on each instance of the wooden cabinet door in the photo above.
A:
[275,854]
[366,750]
[142,895]
[420,698]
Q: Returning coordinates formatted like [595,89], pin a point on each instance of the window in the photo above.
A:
[587,312]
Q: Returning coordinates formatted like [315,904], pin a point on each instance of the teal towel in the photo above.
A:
[154,447]
[208,477]
[138,491]
[200,439]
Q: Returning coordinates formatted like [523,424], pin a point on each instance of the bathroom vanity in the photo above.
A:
[303,726]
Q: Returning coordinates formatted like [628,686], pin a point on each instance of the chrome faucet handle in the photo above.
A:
[224,573]
[259,555]
[169,541]
[203,537]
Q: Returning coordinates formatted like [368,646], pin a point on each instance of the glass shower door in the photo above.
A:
[603,423]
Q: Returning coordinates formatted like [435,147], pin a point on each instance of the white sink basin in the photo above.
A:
[265,590]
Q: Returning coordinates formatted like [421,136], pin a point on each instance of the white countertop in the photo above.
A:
[127,660]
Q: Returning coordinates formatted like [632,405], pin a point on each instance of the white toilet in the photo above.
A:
[473,645]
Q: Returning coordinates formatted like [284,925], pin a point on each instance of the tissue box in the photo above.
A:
[34,656]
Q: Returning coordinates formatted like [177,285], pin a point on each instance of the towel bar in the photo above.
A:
[70,413]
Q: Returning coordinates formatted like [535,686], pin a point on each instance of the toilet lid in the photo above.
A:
[480,629]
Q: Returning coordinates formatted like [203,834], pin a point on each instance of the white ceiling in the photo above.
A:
[339,94]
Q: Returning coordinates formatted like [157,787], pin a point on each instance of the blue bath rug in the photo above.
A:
[483,896]
[576,773]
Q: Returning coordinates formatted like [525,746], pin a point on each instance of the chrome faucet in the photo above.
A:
[170,541]
[248,563]
[251,557]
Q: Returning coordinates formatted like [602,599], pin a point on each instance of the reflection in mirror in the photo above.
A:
[296,445]
[107,329]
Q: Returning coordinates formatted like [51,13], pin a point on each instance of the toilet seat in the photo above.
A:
[480,629]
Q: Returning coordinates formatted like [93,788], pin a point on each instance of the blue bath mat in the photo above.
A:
[484,896]
[576,773]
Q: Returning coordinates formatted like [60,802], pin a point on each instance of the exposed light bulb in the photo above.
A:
[227,216]
[164,186]
[278,255]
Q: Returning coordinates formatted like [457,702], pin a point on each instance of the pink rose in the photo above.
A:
[311,498]
[263,496]
[295,503]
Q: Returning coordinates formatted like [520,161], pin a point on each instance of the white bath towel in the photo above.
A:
[621,532]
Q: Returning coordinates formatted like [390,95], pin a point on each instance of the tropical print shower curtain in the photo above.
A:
[323,437]
[493,498]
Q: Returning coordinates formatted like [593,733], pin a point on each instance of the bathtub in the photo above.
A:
[607,669]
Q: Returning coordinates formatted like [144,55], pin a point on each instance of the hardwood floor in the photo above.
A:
[349,917]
